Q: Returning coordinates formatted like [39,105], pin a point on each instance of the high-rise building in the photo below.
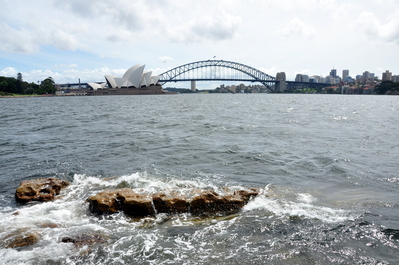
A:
[345,74]
[367,77]
[387,76]
[301,78]
[333,73]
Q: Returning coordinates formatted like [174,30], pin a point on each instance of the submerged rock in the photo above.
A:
[138,205]
[20,238]
[85,240]
[48,225]
[41,189]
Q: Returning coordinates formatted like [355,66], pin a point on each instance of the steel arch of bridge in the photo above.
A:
[254,75]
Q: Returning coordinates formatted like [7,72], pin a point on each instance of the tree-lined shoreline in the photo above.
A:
[10,86]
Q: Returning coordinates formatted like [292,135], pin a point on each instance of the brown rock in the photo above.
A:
[41,189]
[139,205]
[104,202]
[246,195]
[170,204]
[125,199]
[211,203]
[135,204]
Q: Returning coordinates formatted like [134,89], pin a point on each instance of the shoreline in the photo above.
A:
[27,96]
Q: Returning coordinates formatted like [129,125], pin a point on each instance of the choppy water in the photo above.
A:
[327,167]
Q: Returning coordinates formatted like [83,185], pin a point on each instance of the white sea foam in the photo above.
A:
[303,208]
[306,197]
[141,183]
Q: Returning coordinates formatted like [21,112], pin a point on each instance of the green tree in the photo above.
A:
[19,77]
[47,86]
[19,84]
[386,86]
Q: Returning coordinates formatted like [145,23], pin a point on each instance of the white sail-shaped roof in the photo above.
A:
[130,71]
[146,78]
[135,76]
[111,81]
[121,82]
[154,79]
[95,86]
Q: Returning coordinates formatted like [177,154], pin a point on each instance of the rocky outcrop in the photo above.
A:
[176,203]
[41,189]
[207,202]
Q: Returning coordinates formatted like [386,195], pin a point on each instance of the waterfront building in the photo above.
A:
[348,80]
[366,77]
[301,78]
[331,80]
[134,77]
[135,81]
[387,76]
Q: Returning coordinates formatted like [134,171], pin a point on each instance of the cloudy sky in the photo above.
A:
[72,39]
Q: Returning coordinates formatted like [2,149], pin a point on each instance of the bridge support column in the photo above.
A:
[193,85]
[281,85]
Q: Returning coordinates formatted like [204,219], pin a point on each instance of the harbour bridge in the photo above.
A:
[220,70]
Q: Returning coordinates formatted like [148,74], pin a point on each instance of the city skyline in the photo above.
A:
[87,40]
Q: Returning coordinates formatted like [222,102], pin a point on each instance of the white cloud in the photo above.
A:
[165,59]
[72,65]
[9,72]
[222,27]
[371,25]
[272,71]
[297,29]
[17,40]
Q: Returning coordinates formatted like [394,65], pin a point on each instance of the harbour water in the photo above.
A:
[326,165]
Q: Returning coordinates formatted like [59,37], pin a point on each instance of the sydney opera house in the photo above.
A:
[135,81]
